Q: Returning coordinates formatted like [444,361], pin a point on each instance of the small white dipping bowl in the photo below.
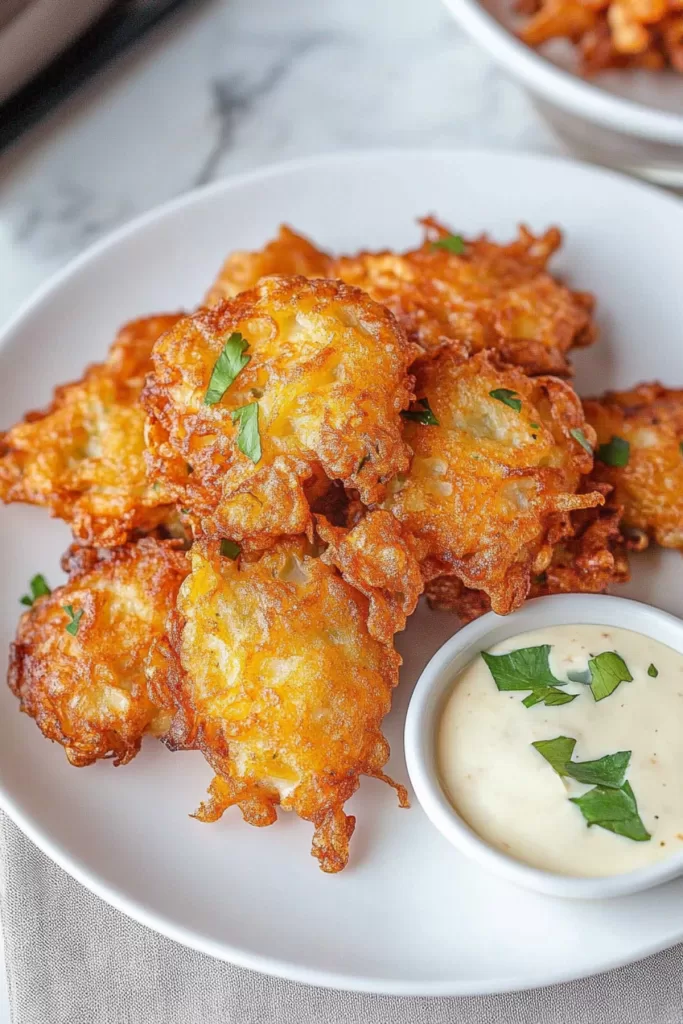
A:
[436,683]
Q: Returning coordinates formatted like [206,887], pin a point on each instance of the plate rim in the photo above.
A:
[113,894]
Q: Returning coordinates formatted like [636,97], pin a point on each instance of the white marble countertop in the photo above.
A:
[227,85]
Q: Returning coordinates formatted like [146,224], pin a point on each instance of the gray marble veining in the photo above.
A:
[227,85]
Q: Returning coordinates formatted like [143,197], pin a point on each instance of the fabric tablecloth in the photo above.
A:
[72,959]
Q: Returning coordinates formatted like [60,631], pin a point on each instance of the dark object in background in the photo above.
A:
[124,23]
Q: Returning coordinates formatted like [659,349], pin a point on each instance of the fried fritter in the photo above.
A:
[272,673]
[324,386]
[588,561]
[489,297]
[646,472]
[491,485]
[377,557]
[77,664]
[82,457]
[289,254]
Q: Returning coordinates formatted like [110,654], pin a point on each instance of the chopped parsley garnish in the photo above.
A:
[579,436]
[230,362]
[609,771]
[616,453]
[422,415]
[74,619]
[607,671]
[450,243]
[363,462]
[248,437]
[680,447]
[39,588]
[528,669]
[507,397]
[653,671]
[613,809]
[611,804]
[229,549]
[535,426]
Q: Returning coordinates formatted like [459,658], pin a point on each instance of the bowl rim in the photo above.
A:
[567,91]
[426,702]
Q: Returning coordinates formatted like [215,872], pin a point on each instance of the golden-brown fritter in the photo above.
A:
[273,674]
[77,664]
[493,480]
[377,557]
[82,457]
[487,297]
[588,561]
[324,384]
[289,254]
[640,453]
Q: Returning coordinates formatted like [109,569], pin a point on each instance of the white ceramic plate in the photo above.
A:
[409,914]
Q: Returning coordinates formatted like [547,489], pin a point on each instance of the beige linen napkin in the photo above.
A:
[72,959]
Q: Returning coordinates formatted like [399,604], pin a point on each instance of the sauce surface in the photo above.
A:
[511,796]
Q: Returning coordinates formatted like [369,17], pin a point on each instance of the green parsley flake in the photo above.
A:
[450,243]
[39,588]
[616,453]
[528,669]
[507,397]
[613,809]
[74,619]
[229,364]
[229,549]
[607,671]
[653,671]
[680,447]
[422,415]
[609,771]
[248,437]
[579,436]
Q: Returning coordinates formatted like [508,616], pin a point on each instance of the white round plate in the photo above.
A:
[409,914]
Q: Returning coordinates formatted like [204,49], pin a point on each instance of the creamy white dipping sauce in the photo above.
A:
[512,797]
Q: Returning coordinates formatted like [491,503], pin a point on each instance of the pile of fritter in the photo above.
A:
[261,490]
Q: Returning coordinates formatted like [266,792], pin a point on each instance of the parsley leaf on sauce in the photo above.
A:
[613,809]
[609,771]
[607,671]
[528,669]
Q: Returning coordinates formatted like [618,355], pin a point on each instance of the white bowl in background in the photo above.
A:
[632,120]
[434,686]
